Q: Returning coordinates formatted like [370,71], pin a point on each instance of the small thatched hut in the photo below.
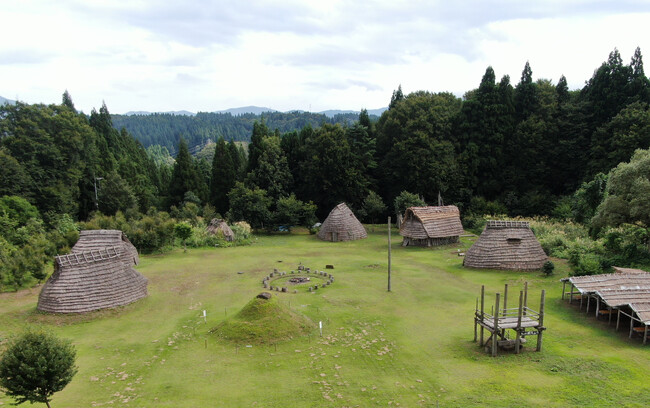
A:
[341,225]
[431,226]
[506,245]
[97,274]
[219,226]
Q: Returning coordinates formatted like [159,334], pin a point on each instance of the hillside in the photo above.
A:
[164,129]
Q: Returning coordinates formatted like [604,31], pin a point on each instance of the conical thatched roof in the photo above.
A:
[341,225]
[97,274]
[506,245]
[219,226]
[427,226]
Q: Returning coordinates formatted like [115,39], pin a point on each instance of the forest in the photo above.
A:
[534,148]
[164,129]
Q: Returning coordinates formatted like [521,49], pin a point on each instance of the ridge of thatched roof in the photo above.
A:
[431,222]
[97,274]
[341,225]
[506,245]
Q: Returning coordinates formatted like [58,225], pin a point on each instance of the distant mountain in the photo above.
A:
[333,112]
[6,101]
[144,113]
[256,110]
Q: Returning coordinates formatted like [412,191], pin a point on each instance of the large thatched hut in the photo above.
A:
[219,226]
[431,226]
[506,245]
[341,225]
[97,274]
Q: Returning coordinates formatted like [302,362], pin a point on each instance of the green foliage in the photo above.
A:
[405,200]
[373,208]
[251,205]
[269,169]
[224,176]
[35,366]
[548,268]
[627,192]
[290,212]
[185,177]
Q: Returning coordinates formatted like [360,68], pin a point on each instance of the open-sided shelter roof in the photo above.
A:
[97,274]
[506,245]
[434,222]
[341,225]
[610,281]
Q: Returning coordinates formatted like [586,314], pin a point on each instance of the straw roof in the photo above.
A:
[219,226]
[506,245]
[97,274]
[630,289]
[431,222]
[341,225]
[618,269]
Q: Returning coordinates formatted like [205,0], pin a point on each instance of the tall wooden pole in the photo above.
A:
[495,334]
[540,329]
[389,254]
[482,309]
[521,308]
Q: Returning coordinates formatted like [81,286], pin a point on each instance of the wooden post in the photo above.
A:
[521,306]
[571,294]
[597,306]
[525,297]
[588,300]
[618,318]
[495,337]
[389,254]
[505,299]
[581,297]
[611,311]
[631,326]
[540,330]
[482,315]
[645,334]
[475,321]
[563,289]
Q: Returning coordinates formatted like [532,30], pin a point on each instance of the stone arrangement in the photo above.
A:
[301,277]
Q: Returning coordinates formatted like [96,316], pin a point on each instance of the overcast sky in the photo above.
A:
[312,55]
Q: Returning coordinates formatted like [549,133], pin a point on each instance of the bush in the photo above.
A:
[548,268]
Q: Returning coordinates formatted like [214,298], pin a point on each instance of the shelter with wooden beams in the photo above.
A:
[431,226]
[97,274]
[506,245]
[508,327]
[624,294]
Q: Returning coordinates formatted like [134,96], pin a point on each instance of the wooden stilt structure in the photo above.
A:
[523,320]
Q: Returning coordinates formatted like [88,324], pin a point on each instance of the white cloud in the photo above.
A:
[206,55]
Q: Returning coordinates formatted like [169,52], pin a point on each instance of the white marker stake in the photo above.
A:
[320,326]
[205,317]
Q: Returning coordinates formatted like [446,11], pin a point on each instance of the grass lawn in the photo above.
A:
[410,347]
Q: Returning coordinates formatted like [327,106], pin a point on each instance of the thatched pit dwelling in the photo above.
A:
[97,274]
[431,226]
[219,226]
[341,225]
[506,245]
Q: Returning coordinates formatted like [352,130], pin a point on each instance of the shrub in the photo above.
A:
[548,268]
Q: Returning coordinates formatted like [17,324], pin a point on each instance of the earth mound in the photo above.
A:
[263,321]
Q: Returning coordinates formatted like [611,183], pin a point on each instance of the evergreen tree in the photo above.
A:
[526,94]
[67,101]
[184,176]
[397,96]
[224,176]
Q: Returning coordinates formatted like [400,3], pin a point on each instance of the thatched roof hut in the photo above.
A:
[97,274]
[506,245]
[431,226]
[341,225]
[219,226]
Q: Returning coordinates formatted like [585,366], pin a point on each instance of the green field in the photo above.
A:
[410,347]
